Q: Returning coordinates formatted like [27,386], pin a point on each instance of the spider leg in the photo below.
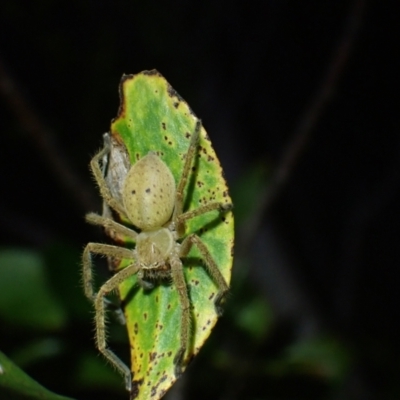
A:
[186,170]
[98,175]
[194,240]
[202,210]
[104,250]
[100,319]
[180,284]
[113,228]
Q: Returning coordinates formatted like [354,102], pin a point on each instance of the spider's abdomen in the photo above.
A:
[149,193]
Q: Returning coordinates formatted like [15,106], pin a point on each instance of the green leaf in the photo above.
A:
[93,373]
[153,117]
[17,385]
[321,356]
[255,317]
[25,297]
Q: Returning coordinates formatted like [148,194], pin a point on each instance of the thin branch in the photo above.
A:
[308,122]
[44,138]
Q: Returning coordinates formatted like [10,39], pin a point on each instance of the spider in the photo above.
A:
[152,202]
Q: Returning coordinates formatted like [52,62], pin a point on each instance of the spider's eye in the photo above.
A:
[149,193]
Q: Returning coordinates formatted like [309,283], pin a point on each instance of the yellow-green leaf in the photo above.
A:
[153,117]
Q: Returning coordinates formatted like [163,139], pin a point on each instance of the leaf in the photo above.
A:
[25,297]
[323,356]
[153,117]
[17,385]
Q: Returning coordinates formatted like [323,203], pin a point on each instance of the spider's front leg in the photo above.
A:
[103,249]
[223,288]
[100,307]
[99,299]
[114,229]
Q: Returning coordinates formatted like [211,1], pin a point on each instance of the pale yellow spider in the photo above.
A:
[153,204]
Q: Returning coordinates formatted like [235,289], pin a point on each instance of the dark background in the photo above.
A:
[323,257]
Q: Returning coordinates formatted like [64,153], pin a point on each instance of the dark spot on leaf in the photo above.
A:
[148,190]
[169,306]
[136,328]
[163,125]
[169,354]
[135,388]
[153,356]
[176,104]
[211,296]
[208,322]
[156,299]
[133,191]
[187,135]
[193,169]
[223,219]
[209,158]
[141,355]
[151,72]
[145,316]
[171,91]
[170,143]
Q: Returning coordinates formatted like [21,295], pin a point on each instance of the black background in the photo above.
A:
[250,71]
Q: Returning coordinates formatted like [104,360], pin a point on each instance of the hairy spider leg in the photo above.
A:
[202,210]
[219,280]
[180,284]
[99,299]
[185,173]
[114,228]
[101,334]
[178,278]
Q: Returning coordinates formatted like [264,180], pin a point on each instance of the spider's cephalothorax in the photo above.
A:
[151,201]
